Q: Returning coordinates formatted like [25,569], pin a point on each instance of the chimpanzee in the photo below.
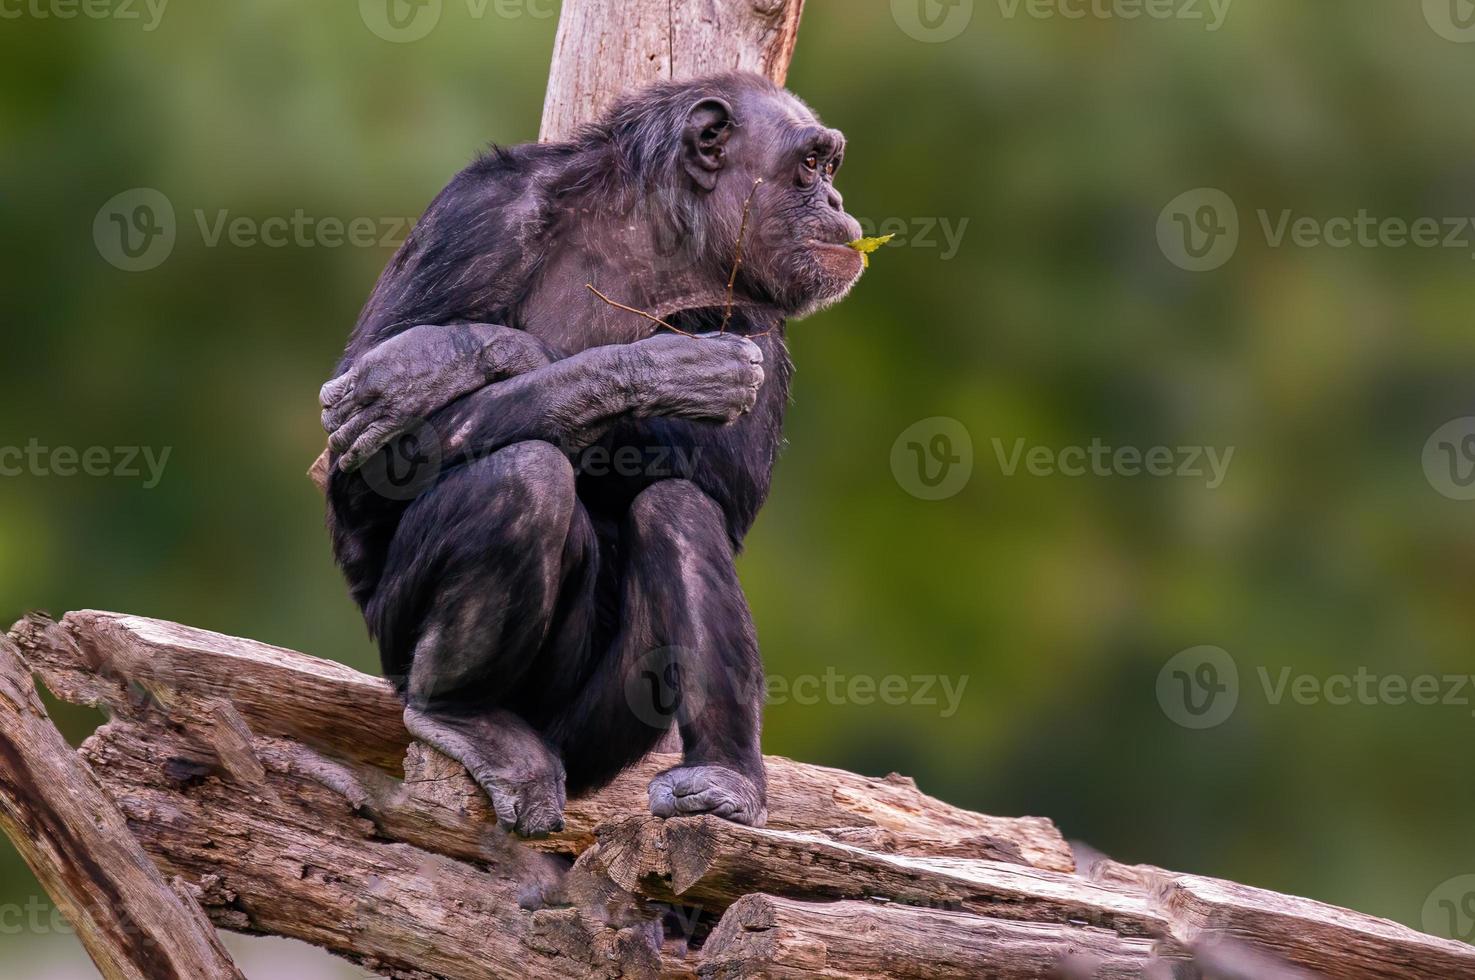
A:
[538,614]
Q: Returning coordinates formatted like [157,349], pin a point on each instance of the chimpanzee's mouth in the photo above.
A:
[818,243]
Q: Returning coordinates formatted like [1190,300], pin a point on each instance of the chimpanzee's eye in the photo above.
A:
[830,169]
[811,162]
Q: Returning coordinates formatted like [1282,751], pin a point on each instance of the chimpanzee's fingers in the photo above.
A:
[752,351]
[347,432]
[373,439]
[711,800]
[334,390]
[506,806]
[662,799]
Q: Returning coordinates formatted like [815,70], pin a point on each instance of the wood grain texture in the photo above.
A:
[288,856]
[780,938]
[608,47]
[712,863]
[133,924]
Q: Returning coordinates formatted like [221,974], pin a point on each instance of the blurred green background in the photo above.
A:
[1053,144]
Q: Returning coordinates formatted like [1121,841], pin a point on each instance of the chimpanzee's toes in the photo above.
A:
[529,809]
[723,792]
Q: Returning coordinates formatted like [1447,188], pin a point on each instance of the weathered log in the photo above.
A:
[1218,919]
[779,938]
[712,863]
[606,47]
[270,782]
[133,924]
[288,856]
[131,665]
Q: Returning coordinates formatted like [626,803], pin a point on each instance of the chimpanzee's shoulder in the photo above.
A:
[513,163]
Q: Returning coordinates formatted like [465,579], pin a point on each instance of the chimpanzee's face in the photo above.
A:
[794,249]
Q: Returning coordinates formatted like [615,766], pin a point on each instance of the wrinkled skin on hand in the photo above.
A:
[403,380]
[714,377]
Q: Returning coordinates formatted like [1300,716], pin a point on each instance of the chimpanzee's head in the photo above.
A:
[717,143]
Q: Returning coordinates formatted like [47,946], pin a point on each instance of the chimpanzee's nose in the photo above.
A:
[836,201]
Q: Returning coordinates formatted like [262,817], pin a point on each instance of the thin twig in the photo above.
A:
[630,309]
[738,260]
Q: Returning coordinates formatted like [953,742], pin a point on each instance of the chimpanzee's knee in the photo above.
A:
[489,538]
[674,513]
[530,487]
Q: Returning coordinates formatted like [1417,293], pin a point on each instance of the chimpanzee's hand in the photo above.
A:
[712,378]
[402,381]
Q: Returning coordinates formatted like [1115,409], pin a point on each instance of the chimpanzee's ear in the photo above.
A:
[708,128]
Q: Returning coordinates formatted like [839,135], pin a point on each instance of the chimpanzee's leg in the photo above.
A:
[686,650]
[480,567]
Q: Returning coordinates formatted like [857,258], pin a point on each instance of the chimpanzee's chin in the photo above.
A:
[822,294]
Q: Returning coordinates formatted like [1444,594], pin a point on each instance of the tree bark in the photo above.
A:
[783,939]
[132,923]
[608,47]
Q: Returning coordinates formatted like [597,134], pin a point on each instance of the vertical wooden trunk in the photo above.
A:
[608,47]
[133,924]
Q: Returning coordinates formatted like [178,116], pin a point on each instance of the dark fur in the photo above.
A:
[514,595]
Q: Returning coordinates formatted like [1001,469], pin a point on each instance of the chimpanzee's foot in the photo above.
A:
[523,778]
[688,790]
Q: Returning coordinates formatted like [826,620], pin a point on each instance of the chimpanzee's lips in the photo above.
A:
[838,259]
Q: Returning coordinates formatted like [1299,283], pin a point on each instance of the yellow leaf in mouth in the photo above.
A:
[865,246]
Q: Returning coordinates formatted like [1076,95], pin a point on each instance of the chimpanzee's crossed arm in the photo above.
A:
[405,379]
[486,386]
